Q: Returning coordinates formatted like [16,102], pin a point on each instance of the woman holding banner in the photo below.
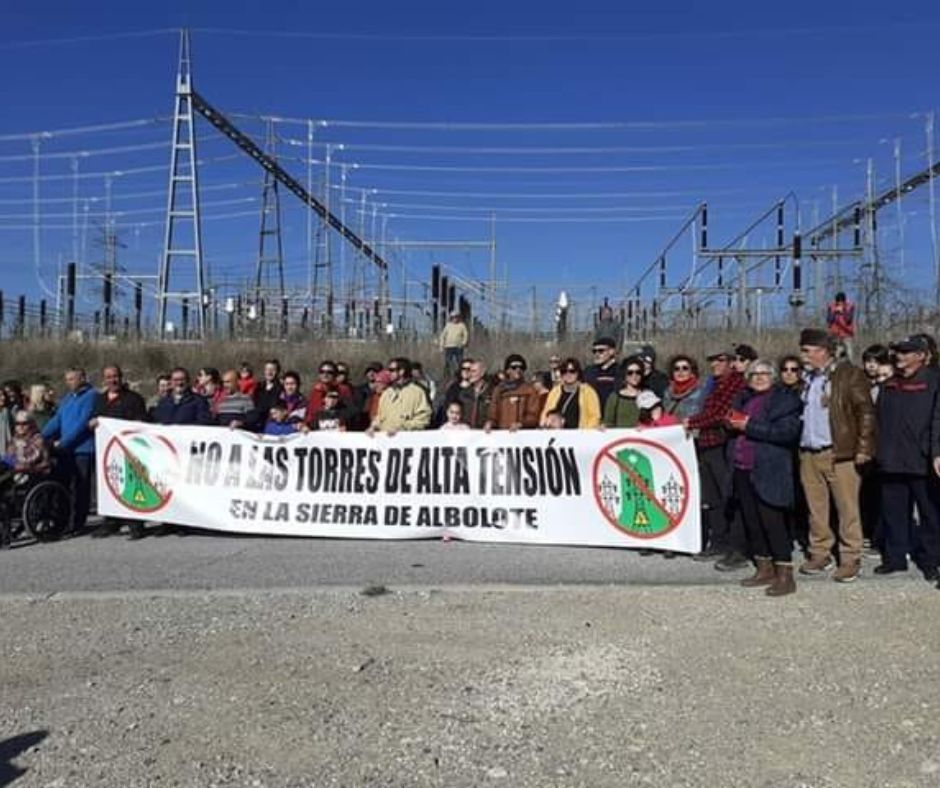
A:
[575,400]
[766,418]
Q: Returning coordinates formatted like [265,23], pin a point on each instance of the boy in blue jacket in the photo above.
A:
[74,443]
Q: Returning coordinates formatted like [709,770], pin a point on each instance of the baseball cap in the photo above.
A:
[911,344]
[720,353]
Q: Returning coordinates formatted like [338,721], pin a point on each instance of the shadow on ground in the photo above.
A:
[12,748]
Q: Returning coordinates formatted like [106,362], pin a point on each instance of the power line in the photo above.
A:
[578,126]
[87,39]
[697,34]
[73,130]
[586,169]
[564,151]
[106,174]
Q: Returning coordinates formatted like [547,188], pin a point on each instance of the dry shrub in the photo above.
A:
[40,360]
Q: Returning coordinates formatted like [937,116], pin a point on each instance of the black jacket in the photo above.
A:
[908,415]
[604,379]
[775,434]
[128,405]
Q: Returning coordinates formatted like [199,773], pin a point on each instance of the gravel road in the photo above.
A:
[185,661]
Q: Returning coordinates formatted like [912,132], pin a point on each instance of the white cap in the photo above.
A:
[646,400]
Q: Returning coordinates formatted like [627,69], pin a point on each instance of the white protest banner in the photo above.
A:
[617,488]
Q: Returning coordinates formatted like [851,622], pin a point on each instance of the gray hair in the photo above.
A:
[762,365]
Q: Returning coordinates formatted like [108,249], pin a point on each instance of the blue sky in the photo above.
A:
[736,104]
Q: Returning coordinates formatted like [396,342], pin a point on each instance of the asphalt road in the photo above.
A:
[211,561]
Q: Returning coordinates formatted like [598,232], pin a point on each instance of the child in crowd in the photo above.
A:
[554,420]
[454,418]
[277,423]
[330,417]
[651,411]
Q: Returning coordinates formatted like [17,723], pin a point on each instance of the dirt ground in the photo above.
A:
[558,686]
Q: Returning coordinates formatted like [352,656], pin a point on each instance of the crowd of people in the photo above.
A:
[808,452]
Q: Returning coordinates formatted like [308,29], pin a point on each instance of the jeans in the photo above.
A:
[76,472]
[453,358]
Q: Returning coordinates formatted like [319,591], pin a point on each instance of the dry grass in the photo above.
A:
[36,360]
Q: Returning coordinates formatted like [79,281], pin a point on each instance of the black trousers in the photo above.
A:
[870,504]
[765,525]
[899,494]
[76,472]
[715,477]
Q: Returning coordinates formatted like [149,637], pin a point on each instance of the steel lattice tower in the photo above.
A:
[270,245]
[183,237]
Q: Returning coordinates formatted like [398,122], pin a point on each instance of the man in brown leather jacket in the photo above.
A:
[515,403]
[838,437]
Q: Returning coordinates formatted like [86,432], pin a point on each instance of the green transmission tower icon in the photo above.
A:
[639,513]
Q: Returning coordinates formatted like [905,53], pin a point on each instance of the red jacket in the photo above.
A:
[840,317]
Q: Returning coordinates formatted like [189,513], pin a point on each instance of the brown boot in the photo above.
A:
[783,583]
[764,575]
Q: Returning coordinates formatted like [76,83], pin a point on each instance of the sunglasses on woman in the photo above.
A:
[682,368]
[795,370]
[631,372]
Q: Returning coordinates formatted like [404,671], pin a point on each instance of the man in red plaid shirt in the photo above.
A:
[713,466]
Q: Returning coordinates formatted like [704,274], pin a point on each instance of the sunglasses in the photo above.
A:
[634,372]
[394,369]
[327,371]
[597,350]
[570,371]
[790,369]
[516,366]
[682,368]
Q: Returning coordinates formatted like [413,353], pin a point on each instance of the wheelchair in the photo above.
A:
[37,504]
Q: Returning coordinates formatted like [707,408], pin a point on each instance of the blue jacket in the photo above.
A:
[279,428]
[191,409]
[775,435]
[69,425]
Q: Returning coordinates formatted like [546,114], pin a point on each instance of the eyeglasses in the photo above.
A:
[682,368]
[632,372]
[790,369]
[394,369]
[516,366]
[570,371]
[760,373]
[741,358]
